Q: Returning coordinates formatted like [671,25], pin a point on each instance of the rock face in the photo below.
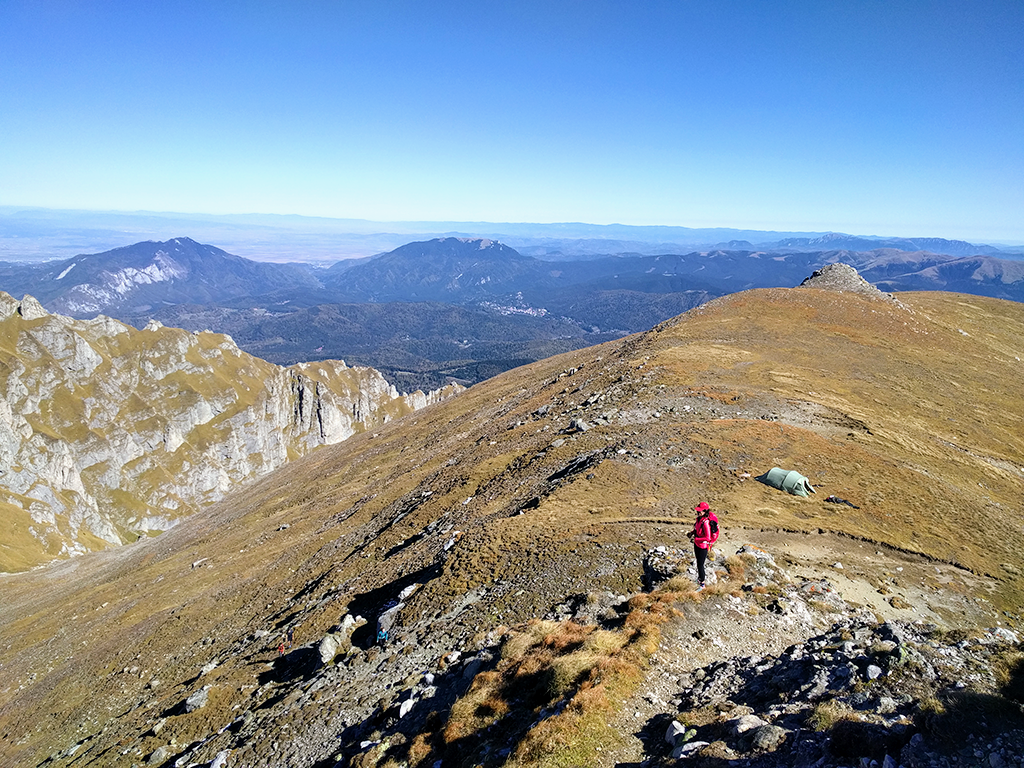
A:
[108,433]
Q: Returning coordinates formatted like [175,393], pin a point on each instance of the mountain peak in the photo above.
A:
[456,246]
[134,278]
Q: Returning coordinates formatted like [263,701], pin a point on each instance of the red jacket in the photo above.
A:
[702,532]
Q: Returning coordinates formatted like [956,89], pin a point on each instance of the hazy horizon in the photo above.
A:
[33,234]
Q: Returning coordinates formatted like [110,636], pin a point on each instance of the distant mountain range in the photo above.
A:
[37,234]
[461,308]
[936,245]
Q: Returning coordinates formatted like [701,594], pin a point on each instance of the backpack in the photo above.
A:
[713,527]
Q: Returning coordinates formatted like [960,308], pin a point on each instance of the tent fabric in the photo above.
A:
[789,481]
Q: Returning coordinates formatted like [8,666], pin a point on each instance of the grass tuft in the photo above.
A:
[825,715]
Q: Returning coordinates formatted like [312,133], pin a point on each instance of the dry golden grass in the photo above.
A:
[478,708]
[588,672]
[604,642]
[1009,671]
[898,411]
[825,715]
[530,635]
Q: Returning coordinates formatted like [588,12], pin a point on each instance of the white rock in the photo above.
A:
[198,699]
[1004,635]
[31,309]
[746,723]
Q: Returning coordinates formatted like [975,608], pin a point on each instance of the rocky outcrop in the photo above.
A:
[339,641]
[108,433]
[843,278]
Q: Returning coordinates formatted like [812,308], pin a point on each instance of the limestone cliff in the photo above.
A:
[108,433]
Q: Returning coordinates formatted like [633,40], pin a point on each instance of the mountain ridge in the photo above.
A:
[514,307]
[510,528]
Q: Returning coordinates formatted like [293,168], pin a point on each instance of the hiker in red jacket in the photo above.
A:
[704,534]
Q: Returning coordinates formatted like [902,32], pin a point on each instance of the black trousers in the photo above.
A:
[702,556]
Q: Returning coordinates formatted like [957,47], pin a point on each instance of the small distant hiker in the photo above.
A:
[704,534]
[291,637]
[280,648]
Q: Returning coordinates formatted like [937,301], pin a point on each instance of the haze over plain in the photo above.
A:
[866,118]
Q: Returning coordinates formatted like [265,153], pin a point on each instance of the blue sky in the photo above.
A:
[889,118]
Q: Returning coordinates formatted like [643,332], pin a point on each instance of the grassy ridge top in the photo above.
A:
[915,412]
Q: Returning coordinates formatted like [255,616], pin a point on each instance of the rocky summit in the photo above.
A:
[108,433]
[504,577]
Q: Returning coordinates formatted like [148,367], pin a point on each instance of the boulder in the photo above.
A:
[767,738]
[886,705]
[197,700]
[339,641]
[687,749]
[472,669]
[328,648]
[745,723]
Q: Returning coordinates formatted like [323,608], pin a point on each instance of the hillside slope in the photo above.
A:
[538,494]
[108,433]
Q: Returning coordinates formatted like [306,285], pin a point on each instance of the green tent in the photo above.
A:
[789,481]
